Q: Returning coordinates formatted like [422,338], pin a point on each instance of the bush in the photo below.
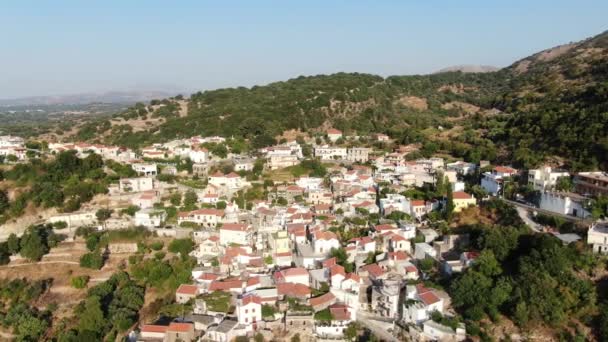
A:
[181,246]
[80,282]
[60,225]
[159,255]
[92,260]
[157,245]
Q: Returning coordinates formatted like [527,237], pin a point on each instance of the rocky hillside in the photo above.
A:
[552,103]
[559,101]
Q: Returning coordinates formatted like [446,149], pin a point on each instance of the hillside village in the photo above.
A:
[321,237]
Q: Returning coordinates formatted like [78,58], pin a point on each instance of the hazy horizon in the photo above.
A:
[68,47]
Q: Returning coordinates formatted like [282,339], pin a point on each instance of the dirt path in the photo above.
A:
[41,263]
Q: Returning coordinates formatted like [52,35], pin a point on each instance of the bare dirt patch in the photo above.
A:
[415,102]
[463,107]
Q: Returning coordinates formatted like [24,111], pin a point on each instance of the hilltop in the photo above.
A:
[552,103]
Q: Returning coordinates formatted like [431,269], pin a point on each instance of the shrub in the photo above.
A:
[80,282]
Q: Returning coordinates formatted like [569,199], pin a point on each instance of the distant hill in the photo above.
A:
[553,103]
[469,68]
[86,98]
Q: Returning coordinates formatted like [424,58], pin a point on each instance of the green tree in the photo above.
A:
[181,246]
[103,214]
[351,331]
[4,202]
[176,199]
[32,245]
[268,310]
[13,244]
[190,199]
[92,318]
[92,260]
[449,207]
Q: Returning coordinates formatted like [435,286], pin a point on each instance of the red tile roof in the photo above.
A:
[339,312]
[295,271]
[333,131]
[461,195]
[337,269]
[384,227]
[504,169]
[323,299]
[417,203]
[399,255]
[153,328]
[329,262]
[253,281]
[181,327]
[325,235]
[293,290]
[208,276]
[251,299]
[187,289]
[429,298]
[373,270]
[225,285]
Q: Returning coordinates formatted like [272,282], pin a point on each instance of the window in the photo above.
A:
[246,311]
[246,319]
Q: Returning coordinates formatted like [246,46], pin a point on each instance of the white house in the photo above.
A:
[232,180]
[492,181]
[545,178]
[249,311]
[420,304]
[324,241]
[295,275]
[145,200]
[149,218]
[334,134]
[199,155]
[235,233]
[136,184]
[204,217]
[565,203]
[326,152]
[145,169]
[597,237]
[309,183]
[243,164]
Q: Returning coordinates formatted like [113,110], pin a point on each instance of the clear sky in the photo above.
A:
[61,47]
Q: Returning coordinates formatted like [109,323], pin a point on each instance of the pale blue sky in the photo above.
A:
[60,47]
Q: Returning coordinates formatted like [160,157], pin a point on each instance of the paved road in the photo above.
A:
[525,216]
[542,211]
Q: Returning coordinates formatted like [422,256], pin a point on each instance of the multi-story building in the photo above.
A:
[591,183]
[492,182]
[279,242]
[235,233]
[358,154]
[545,178]
[145,169]
[326,152]
[136,184]
[204,217]
[280,161]
[249,311]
